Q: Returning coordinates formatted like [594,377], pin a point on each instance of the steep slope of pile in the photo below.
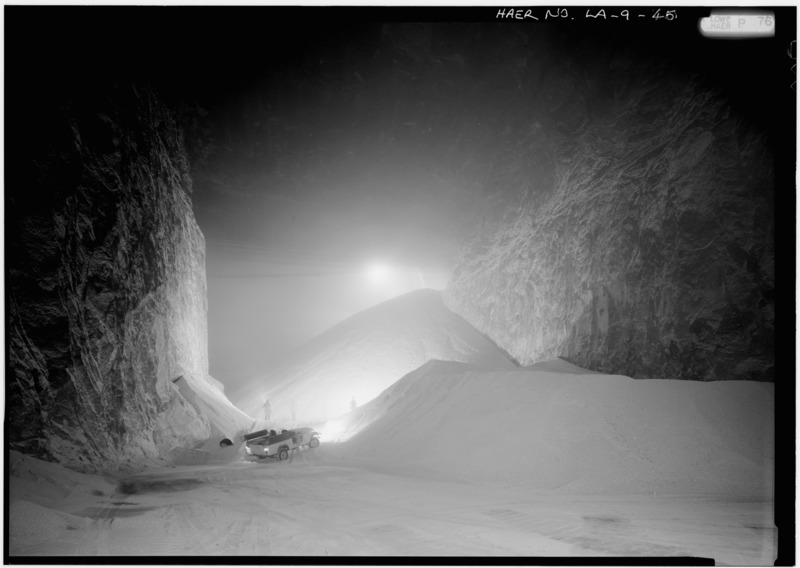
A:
[646,247]
[556,430]
[106,281]
[358,358]
[224,422]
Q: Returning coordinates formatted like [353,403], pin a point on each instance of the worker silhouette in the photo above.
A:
[267,410]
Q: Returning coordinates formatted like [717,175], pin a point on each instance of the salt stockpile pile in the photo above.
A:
[355,360]
[225,422]
[453,459]
[47,498]
[556,427]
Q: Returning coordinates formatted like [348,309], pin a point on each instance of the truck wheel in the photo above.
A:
[313,443]
[283,453]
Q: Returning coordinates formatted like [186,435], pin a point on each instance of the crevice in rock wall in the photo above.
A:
[106,281]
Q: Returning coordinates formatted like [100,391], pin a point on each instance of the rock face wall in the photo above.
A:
[645,243]
[106,280]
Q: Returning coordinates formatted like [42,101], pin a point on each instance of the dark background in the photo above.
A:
[322,139]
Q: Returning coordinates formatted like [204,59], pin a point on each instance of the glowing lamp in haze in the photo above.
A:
[333,430]
[378,273]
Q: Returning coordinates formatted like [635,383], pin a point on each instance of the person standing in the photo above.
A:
[267,410]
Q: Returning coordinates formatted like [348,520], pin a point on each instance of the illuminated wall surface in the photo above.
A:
[107,286]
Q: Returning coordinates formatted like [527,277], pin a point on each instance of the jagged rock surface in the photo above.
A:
[107,288]
[623,184]
[646,248]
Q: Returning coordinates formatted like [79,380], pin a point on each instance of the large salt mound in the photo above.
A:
[363,355]
[555,429]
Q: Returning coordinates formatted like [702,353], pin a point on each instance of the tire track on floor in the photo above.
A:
[606,535]
[190,533]
[97,536]
[399,539]
[236,538]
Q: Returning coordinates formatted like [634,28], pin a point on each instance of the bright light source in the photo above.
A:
[332,430]
[378,273]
